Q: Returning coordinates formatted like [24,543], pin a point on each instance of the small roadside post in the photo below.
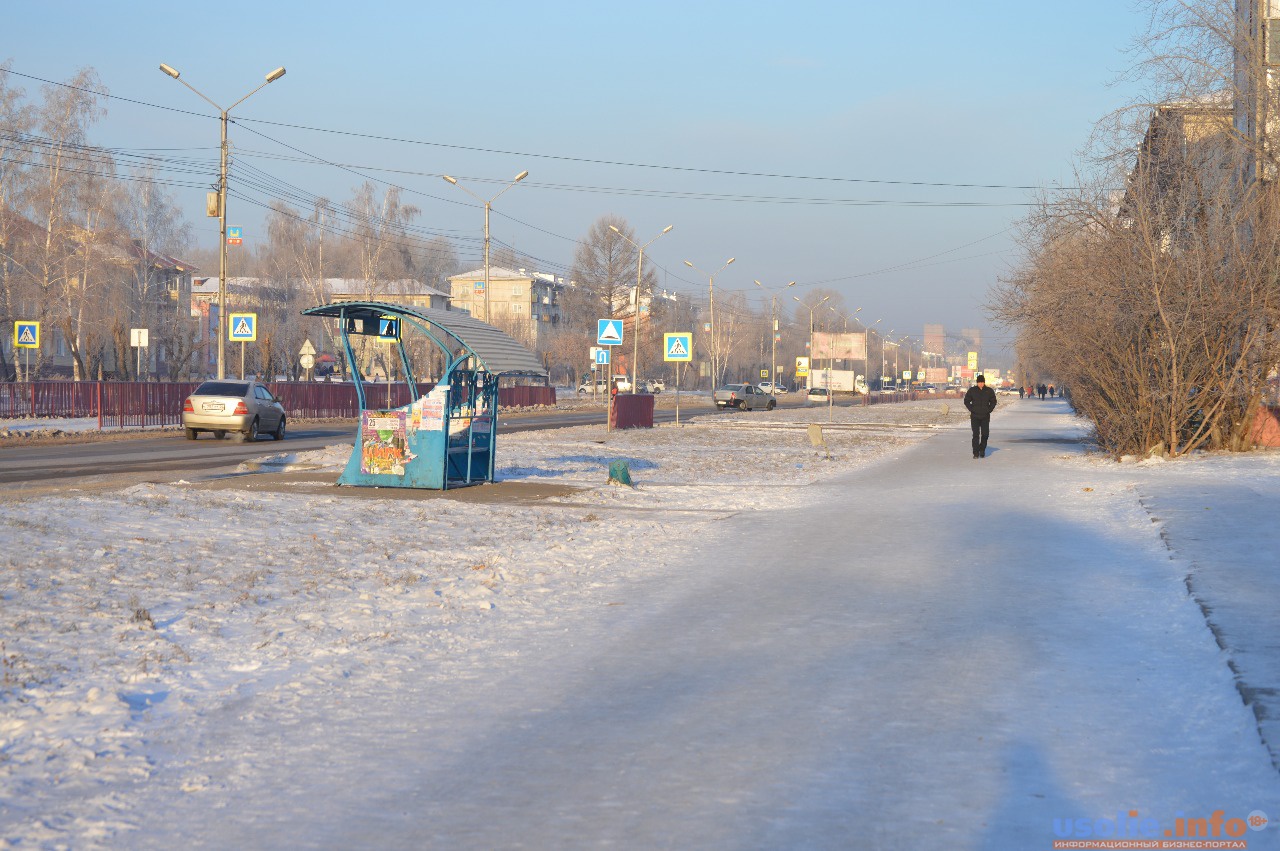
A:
[677,348]
[389,333]
[609,333]
[601,357]
[243,328]
[26,335]
[138,339]
[307,357]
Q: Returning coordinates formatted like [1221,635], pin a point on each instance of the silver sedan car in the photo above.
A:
[246,408]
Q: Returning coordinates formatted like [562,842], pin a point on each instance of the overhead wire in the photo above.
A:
[282,191]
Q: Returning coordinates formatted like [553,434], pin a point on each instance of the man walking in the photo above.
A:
[981,401]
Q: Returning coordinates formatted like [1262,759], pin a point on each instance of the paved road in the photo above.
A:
[22,463]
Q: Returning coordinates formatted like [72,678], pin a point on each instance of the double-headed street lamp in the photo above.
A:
[715,345]
[222,205]
[846,317]
[488,205]
[811,355]
[635,313]
[773,335]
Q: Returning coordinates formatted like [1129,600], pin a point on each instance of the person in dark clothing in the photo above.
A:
[981,401]
[1022,392]
[1043,390]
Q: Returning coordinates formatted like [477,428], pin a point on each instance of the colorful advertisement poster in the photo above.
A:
[383,449]
[433,406]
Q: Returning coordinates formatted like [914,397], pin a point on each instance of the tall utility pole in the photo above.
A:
[222,205]
[715,345]
[635,312]
[488,205]
[773,335]
[812,357]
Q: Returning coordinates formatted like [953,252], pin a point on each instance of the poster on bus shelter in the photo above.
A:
[383,449]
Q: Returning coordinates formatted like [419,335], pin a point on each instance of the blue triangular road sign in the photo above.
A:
[610,332]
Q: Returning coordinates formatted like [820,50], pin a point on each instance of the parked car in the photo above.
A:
[744,397]
[648,385]
[246,408]
[657,385]
[770,387]
[818,394]
[602,385]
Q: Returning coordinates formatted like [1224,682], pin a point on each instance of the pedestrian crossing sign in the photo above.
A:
[243,328]
[26,335]
[388,329]
[677,347]
[609,332]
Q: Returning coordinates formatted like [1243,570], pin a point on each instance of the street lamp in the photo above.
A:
[773,335]
[711,290]
[811,310]
[635,312]
[866,352]
[222,204]
[487,206]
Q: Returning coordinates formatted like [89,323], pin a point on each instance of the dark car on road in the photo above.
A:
[245,408]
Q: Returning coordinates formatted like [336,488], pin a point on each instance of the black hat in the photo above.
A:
[981,379]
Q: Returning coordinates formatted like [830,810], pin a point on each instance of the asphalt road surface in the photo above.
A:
[24,466]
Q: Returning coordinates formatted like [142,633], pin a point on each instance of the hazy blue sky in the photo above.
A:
[996,92]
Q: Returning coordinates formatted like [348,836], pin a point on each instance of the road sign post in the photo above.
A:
[677,348]
[242,329]
[138,339]
[609,333]
[26,335]
[307,357]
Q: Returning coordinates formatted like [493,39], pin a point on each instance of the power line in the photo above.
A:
[556,157]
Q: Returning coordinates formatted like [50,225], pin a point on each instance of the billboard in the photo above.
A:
[836,379]
[848,346]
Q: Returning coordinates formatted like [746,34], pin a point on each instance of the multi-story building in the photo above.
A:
[522,303]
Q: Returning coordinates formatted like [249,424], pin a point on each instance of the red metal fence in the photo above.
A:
[117,404]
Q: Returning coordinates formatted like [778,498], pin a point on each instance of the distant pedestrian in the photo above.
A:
[1043,390]
[981,401]
[1050,391]
[1022,392]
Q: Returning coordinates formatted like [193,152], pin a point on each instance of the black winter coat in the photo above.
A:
[980,401]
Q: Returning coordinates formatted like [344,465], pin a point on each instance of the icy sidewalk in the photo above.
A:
[899,648]
[1218,516]
[935,652]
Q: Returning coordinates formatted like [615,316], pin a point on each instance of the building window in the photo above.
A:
[517,290]
[517,308]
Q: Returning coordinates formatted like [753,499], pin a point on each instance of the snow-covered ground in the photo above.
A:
[32,424]
[226,668]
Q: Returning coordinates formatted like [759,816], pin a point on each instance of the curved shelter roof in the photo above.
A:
[494,349]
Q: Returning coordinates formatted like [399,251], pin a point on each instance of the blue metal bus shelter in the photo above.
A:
[446,436]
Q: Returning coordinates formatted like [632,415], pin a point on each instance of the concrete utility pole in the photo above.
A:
[773,336]
[715,345]
[488,205]
[635,312]
[222,205]
[812,356]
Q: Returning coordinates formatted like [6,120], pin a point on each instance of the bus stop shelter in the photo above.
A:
[446,436]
